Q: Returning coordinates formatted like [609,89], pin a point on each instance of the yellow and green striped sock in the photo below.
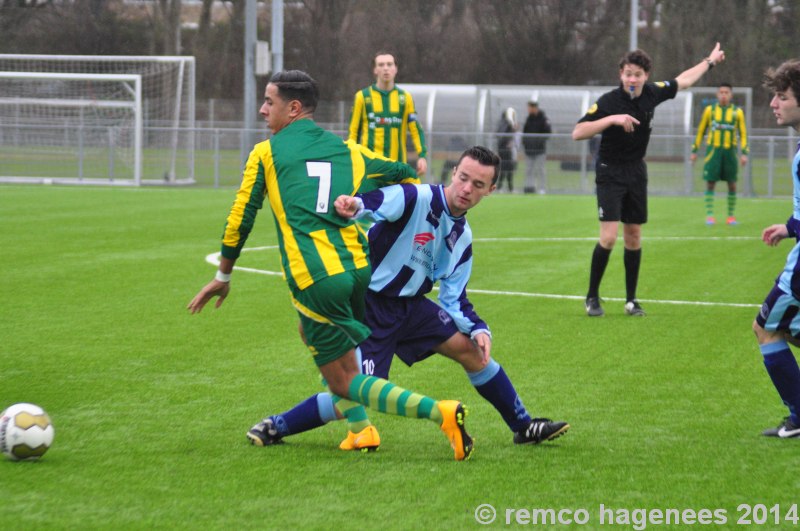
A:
[731,203]
[354,413]
[709,200]
[386,397]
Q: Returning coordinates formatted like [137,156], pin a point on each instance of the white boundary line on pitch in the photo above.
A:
[213,259]
[582,297]
[594,239]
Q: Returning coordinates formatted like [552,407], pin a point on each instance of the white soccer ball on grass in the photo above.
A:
[26,432]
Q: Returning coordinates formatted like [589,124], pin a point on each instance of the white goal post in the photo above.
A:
[127,110]
[123,120]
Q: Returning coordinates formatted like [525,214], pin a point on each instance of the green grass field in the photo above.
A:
[151,404]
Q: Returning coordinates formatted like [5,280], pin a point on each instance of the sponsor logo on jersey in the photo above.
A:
[388,120]
[423,237]
[592,109]
[424,257]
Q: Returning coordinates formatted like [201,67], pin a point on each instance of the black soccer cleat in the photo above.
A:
[634,308]
[540,430]
[785,430]
[593,308]
[264,434]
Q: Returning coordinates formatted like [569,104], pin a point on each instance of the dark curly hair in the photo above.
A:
[786,76]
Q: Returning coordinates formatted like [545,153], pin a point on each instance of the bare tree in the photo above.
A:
[447,41]
[204,23]
[754,34]
[169,24]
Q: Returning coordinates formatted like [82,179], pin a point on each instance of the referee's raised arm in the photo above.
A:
[689,77]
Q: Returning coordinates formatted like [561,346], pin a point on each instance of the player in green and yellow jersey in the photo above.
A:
[324,256]
[384,115]
[724,122]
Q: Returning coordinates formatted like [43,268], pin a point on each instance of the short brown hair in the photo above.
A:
[383,52]
[484,157]
[638,58]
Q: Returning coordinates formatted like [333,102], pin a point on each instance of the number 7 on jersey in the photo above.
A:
[322,171]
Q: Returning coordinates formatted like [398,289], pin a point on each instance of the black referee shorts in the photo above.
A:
[622,192]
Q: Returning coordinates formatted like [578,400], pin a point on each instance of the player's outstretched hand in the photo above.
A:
[346,206]
[717,55]
[773,234]
[215,288]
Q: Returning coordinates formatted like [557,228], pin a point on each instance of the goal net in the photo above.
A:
[97,119]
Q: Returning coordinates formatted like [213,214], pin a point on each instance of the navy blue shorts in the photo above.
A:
[780,312]
[408,327]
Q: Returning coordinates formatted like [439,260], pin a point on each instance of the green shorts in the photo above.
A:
[720,165]
[332,314]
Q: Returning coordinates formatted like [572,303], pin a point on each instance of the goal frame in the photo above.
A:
[180,119]
[135,105]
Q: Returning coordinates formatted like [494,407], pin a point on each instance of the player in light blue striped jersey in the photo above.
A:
[422,237]
[777,324]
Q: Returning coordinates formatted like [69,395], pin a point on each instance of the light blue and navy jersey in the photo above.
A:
[417,242]
[789,280]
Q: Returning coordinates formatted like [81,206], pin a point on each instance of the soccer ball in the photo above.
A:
[25,432]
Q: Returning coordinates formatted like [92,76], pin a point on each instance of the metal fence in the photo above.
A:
[220,152]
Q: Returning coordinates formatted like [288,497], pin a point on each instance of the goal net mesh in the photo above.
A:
[81,125]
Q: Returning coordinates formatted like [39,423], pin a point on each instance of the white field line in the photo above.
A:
[594,239]
[213,259]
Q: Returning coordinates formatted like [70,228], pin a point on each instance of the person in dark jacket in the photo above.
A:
[536,126]
[507,130]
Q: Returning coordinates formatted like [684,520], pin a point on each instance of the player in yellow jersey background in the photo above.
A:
[384,116]
[726,129]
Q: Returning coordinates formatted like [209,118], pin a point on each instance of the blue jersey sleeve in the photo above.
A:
[793,223]
[388,203]
[453,296]
[792,227]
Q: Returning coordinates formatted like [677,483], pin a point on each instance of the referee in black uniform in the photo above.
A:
[623,117]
